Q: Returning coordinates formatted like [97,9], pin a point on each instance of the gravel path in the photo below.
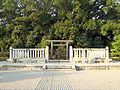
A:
[60,80]
[54,80]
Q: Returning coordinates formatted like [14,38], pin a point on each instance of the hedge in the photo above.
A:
[115,58]
[3,58]
[4,54]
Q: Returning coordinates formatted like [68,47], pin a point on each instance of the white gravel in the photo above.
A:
[19,80]
[60,80]
[95,79]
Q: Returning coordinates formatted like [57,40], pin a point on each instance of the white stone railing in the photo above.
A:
[88,53]
[29,53]
[98,53]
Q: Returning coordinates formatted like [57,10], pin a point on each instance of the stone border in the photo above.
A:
[16,66]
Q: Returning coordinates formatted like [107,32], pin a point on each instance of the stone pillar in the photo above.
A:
[71,54]
[33,53]
[38,53]
[83,56]
[28,53]
[47,54]
[107,52]
[51,50]
[66,50]
[11,53]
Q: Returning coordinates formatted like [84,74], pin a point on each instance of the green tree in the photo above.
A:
[115,51]
[28,23]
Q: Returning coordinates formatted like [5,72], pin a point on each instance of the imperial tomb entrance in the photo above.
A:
[61,53]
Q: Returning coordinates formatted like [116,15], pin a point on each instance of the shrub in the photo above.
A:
[115,58]
[115,51]
[3,58]
[60,53]
[4,54]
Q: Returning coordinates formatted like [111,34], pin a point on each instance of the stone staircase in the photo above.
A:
[59,61]
[60,67]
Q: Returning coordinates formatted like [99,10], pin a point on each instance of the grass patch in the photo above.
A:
[115,58]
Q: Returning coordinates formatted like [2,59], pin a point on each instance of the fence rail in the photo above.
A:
[29,53]
[81,54]
[84,54]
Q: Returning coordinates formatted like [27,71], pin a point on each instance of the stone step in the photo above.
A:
[59,61]
[72,67]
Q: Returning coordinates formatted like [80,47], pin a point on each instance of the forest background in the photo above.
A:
[89,23]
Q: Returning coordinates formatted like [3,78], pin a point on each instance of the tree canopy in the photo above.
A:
[90,23]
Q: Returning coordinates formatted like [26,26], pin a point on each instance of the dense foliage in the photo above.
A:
[90,23]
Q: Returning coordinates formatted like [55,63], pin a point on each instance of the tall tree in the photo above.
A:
[28,23]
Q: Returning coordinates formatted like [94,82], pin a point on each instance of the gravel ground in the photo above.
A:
[95,79]
[60,80]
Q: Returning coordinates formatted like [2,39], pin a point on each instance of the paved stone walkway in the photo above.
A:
[54,80]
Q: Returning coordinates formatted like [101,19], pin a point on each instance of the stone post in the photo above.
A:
[107,52]
[51,50]
[47,54]
[83,54]
[11,53]
[71,54]
[28,53]
[66,50]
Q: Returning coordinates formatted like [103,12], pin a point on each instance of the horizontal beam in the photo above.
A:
[29,49]
[60,40]
[59,45]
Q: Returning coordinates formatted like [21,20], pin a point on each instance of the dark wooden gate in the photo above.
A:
[57,52]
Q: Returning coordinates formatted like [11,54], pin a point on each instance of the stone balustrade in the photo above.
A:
[87,55]
[29,53]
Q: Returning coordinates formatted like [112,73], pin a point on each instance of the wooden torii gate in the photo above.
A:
[52,44]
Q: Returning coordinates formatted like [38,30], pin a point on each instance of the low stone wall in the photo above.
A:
[16,66]
[97,67]
[19,67]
